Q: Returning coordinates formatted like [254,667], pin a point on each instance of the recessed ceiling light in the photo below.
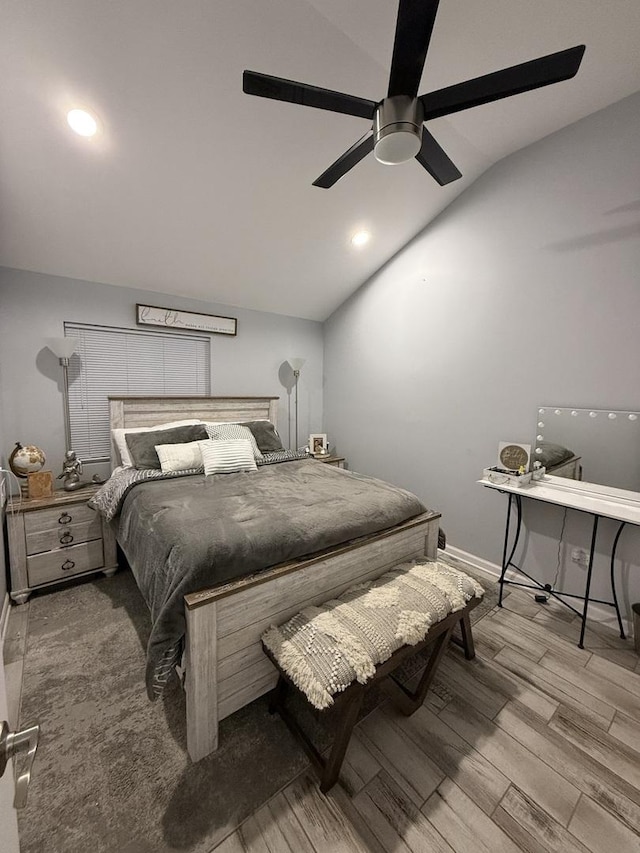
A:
[82,122]
[360,238]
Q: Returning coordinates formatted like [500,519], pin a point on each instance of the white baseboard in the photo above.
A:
[473,560]
[597,613]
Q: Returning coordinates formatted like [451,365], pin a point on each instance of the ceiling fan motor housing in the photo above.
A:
[398,133]
[397,129]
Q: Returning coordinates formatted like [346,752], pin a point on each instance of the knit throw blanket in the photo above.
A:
[323,649]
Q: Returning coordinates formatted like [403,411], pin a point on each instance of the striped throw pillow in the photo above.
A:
[227,457]
[230,432]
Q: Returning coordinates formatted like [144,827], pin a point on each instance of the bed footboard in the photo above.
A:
[201,681]
[226,667]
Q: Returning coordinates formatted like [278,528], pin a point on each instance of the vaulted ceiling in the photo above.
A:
[193,188]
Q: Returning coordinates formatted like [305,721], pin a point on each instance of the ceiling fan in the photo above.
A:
[398,132]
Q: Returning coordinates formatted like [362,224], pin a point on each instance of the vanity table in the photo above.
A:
[590,498]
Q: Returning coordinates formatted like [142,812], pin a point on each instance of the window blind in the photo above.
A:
[114,362]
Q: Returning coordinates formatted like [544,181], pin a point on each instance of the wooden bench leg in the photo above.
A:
[407,701]
[329,768]
[467,637]
[347,721]
[276,697]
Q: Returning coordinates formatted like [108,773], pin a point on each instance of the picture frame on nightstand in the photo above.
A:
[318,445]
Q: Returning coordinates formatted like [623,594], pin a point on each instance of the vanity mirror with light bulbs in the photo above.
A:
[592,462]
[595,445]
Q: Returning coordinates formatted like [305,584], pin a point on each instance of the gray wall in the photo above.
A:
[34,307]
[524,291]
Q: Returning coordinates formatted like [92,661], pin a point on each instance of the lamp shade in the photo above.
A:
[62,347]
[296,363]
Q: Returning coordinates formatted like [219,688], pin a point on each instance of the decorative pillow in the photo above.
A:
[266,436]
[552,454]
[227,457]
[179,457]
[231,432]
[142,445]
[121,444]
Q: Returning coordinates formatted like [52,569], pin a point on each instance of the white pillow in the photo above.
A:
[231,432]
[179,457]
[121,443]
[227,457]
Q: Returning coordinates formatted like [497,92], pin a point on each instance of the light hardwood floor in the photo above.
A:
[533,746]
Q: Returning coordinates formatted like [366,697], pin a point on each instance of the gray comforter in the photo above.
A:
[183,534]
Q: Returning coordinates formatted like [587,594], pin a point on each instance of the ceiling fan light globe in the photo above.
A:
[397,146]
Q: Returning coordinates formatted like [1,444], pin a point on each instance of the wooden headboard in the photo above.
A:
[127,412]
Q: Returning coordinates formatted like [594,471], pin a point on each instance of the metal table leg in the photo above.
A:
[506,561]
[588,586]
[613,579]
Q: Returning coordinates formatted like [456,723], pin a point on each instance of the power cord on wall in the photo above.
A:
[549,587]
[564,521]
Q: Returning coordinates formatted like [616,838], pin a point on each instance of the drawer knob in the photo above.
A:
[66,538]
[67,565]
[65,518]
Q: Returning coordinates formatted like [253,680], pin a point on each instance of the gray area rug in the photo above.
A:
[112,773]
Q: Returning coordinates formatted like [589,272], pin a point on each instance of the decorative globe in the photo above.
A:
[26,459]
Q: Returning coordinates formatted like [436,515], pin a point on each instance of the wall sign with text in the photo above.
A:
[151,315]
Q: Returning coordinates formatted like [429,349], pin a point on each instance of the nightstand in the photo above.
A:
[338,461]
[54,538]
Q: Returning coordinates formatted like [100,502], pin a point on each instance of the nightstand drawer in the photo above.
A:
[60,517]
[64,562]
[64,535]
[336,461]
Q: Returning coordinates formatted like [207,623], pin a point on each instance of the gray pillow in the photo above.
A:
[552,454]
[266,436]
[142,445]
[231,432]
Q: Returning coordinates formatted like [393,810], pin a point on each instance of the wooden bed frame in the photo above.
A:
[226,667]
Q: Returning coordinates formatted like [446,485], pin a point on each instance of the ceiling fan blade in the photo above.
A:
[502,84]
[345,162]
[435,161]
[413,34]
[265,86]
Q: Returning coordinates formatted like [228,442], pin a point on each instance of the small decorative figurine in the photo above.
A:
[71,470]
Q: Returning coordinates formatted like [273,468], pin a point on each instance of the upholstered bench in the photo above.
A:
[334,653]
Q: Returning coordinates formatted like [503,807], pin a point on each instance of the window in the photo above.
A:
[114,362]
